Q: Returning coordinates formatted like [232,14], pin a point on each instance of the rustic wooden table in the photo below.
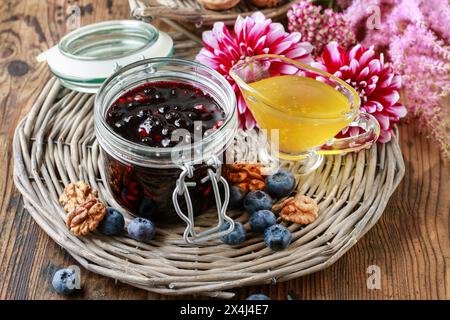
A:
[410,243]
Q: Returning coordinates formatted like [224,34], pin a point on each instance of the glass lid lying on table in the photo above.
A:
[84,58]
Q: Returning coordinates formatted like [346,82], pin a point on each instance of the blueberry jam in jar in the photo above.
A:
[148,115]
[163,126]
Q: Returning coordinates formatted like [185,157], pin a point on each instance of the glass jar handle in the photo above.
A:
[354,143]
[190,236]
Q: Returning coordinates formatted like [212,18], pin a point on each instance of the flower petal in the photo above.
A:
[250,122]
[363,74]
[241,105]
[331,56]
[388,98]
[385,136]
[383,120]
[374,66]
[366,57]
[398,110]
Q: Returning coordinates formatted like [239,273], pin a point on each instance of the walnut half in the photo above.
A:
[85,217]
[299,209]
[247,177]
[75,194]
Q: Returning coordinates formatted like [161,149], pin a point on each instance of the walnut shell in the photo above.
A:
[75,194]
[218,4]
[265,3]
[86,217]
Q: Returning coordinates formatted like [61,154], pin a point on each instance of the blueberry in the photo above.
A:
[66,281]
[141,229]
[236,197]
[258,296]
[257,200]
[234,237]
[262,219]
[147,208]
[280,184]
[277,237]
[112,223]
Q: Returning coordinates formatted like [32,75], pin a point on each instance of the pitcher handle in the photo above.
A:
[354,143]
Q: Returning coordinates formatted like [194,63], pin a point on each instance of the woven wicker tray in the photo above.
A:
[55,144]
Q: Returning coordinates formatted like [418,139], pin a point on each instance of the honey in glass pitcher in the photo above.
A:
[305,106]
[300,98]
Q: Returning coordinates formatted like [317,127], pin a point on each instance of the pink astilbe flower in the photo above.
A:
[424,62]
[437,13]
[415,35]
[319,26]
[250,36]
[374,80]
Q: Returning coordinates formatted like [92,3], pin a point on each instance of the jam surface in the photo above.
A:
[149,114]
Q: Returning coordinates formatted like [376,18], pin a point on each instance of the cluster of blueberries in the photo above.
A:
[259,204]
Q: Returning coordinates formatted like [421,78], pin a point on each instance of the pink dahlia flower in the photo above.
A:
[374,80]
[250,36]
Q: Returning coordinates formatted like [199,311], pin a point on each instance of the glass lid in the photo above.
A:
[85,57]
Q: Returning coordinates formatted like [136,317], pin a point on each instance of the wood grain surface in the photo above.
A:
[410,244]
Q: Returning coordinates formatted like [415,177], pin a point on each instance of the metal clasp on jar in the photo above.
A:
[190,236]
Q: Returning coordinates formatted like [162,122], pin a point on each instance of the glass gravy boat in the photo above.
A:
[306,106]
